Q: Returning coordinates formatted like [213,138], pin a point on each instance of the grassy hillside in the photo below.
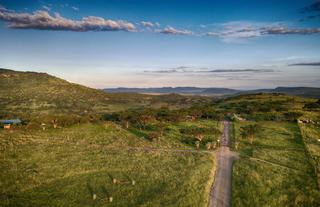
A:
[311,138]
[299,91]
[76,164]
[275,170]
[31,93]
[308,92]
[71,166]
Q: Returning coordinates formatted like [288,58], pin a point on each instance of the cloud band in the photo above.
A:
[42,20]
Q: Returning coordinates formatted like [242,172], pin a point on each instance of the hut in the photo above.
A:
[7,123]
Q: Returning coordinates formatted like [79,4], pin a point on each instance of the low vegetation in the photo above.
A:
[274,168]
[265,107]
[87,165]
[311,138]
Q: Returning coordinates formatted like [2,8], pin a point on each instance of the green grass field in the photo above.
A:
[311,138]
[71,166]
[275,170]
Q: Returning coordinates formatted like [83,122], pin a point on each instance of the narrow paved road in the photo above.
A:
[220,195]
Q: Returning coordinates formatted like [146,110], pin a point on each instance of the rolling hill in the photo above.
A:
[295,91]
[31,94]
[31,91]
[309,92]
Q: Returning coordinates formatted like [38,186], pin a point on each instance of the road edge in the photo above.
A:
[211,181]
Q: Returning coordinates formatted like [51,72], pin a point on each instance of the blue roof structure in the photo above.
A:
[11,121]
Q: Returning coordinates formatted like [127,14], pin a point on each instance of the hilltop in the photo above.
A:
[32,93]
[309,92]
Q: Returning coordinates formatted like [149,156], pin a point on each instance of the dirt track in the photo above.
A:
[220,194]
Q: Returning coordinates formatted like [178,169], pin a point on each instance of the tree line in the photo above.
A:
[140,118]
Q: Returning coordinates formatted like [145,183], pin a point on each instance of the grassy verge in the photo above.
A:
[232,136]
[275,169]
[311,138]
[76,166]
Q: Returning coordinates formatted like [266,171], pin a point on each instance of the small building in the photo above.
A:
[7,123]
[43,125]
[238,117]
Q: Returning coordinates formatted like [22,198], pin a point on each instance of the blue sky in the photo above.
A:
[236,44]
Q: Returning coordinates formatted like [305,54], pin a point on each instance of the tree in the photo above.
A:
[312,105]
[111,117]
[161,125]
[163,114]
[195,113]
[209,112]
[292,116]
[55,123]
[208,145]
[144,117]
[243,132]
[249,131]
[143,120]
[197,144]
[126,116]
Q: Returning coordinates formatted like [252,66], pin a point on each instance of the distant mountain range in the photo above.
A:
[296,91]
[179,90]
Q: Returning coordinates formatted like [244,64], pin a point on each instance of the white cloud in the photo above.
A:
[239,31]
[173,31]
[207,70]
[3,9]
[286,31]
[289,58]
[42,20]
[236,31]
[47,8]
[147,24]
[75,8]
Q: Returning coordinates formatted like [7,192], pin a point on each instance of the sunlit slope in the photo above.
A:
[31,93]
[76,166]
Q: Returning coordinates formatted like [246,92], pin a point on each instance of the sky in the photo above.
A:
[241,44]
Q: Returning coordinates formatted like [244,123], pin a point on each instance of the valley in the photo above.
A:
[82,146]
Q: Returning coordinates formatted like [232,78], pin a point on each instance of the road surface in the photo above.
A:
[220,195]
